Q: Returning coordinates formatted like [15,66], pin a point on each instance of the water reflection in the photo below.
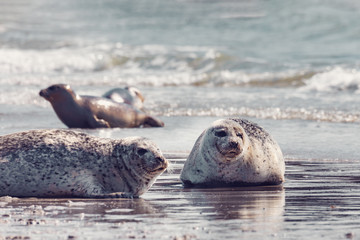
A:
[105,210]
[241,203]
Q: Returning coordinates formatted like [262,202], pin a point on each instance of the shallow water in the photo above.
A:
[319,200]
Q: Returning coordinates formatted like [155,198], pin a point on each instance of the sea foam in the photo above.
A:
[334,79]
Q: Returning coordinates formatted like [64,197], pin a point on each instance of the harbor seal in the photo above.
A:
[128,95]
[77,111]
[63,163]
[234,152]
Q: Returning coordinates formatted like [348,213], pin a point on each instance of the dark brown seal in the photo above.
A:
[77,111]
[63,163]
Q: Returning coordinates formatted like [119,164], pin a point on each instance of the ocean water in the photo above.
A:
[293,67]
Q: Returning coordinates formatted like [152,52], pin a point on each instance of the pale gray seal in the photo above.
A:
[77,111]
[63,163]
[128,95]
[234,152]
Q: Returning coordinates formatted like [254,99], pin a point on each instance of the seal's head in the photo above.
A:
[144,157]
[225,139]
[57,93]
[134,92]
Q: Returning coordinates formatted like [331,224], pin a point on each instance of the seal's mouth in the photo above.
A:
[231,154]
[159,169]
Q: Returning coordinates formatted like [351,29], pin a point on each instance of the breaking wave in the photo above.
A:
[149,65]
[334,80]
[155,65]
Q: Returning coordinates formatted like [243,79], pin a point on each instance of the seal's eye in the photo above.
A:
[239,135]
[141,151]
[53,88]
[221,133]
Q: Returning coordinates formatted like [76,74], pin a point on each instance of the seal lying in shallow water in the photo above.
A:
[63,163]
[94,112]
[234,152]
[128,95]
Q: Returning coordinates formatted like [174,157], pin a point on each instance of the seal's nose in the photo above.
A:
[234,144]
[162,160]
[42,93]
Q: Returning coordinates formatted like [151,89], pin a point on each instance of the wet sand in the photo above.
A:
[320,199]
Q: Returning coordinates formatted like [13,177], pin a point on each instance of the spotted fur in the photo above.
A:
[63,163]
[234,152]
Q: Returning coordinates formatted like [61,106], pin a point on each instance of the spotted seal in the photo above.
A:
[77,111]
[63,163]
[234,152]
[128,95]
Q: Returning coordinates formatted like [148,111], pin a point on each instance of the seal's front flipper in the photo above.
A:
[153,122]
[98,123]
